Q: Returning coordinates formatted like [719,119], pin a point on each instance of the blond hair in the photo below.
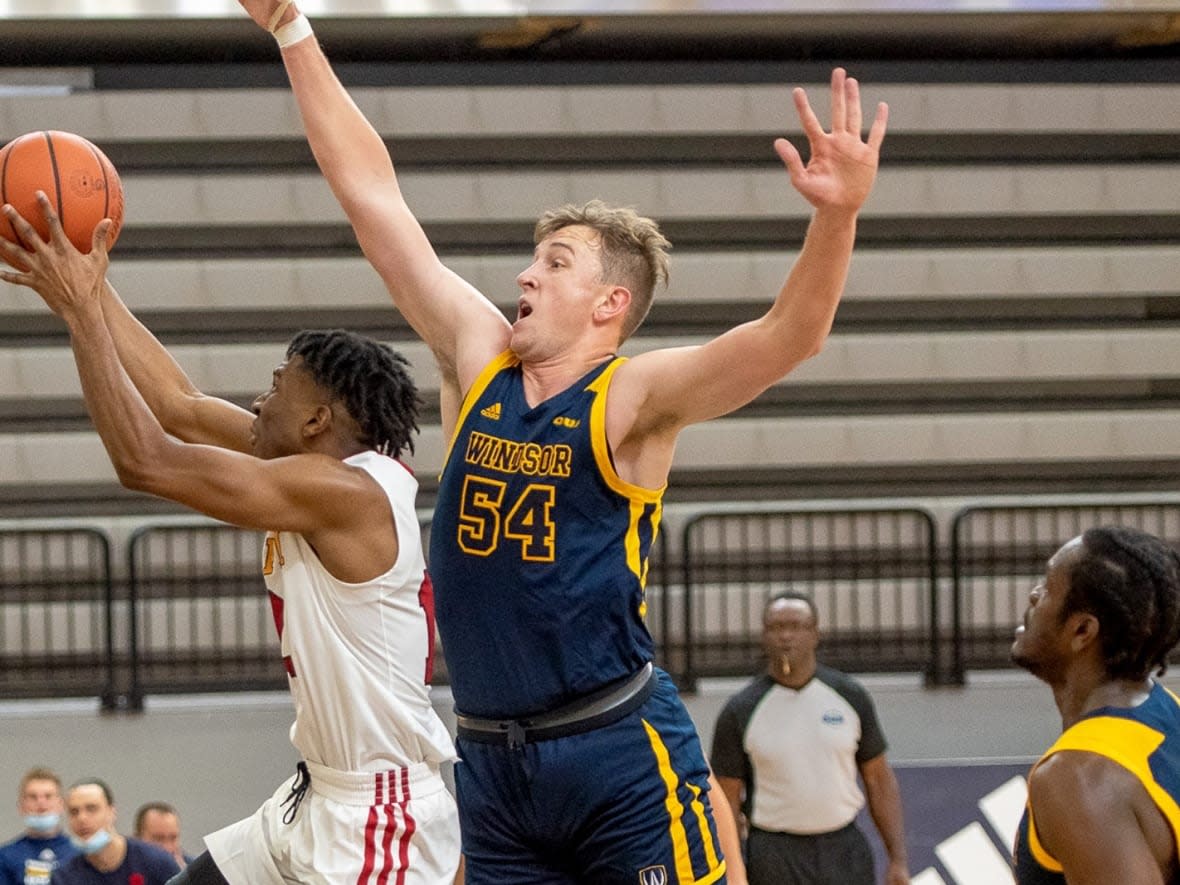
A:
[634,253]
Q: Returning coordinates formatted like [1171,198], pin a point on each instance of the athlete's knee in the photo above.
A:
[202,871]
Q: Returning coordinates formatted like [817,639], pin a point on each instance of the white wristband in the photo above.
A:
[298,28]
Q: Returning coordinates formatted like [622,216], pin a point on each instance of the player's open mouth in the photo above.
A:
[523,310]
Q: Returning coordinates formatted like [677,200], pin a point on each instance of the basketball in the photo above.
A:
[79,180]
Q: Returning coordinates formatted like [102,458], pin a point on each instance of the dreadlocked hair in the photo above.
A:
[1130,581]
[371,379]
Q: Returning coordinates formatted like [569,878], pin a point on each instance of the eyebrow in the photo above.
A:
[556,244]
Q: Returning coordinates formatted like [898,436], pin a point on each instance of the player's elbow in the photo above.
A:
[372,201]
[133,474]
[815,349]
[138,467]
[792,357]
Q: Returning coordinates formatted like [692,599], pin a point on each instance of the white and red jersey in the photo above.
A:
[359,656]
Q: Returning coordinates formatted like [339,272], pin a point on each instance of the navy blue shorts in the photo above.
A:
[627,803]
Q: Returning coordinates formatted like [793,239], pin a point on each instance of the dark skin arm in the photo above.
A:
[884,799]
[1098,821]
[182,409]
[732,788]
[339,509]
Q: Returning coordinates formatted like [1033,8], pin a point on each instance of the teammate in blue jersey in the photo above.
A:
[579,763]
[1103,800]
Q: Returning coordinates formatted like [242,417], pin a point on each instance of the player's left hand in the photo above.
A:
[842,167]
[65,278]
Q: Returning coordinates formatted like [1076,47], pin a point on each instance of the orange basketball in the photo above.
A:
[81,183]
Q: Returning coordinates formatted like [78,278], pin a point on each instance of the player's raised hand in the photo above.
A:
[68,280]
[842,166]
[269,14]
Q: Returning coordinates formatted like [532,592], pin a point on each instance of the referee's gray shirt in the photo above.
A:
[798,751]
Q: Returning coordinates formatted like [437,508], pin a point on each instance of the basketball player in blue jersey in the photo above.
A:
[578,761]
[1103,800]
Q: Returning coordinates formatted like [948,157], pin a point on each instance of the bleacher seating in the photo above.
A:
[1001,329]
[1010,324]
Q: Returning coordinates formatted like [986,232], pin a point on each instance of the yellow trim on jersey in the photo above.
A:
[1126,742]
[1040,855]
[639,496]
[502,361]
[640,569]
[698,808]
[684,872]
[602,451]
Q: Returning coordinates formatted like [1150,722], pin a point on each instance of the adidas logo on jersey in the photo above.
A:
[492,411]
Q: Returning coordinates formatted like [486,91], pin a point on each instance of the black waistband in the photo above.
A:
[585,714]
[849,827]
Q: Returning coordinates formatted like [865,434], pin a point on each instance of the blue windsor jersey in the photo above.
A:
[1145,740]
[538,549]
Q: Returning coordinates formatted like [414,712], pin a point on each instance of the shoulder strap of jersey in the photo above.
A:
[503,361]
[1126,742]
[598,386]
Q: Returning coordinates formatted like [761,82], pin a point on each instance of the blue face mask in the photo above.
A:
[94,844]
[42,823]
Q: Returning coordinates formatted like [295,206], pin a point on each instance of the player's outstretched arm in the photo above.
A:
[680,386]
[312,494]
[461,327]
[182,409]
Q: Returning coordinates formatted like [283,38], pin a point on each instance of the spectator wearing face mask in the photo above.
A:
[105,857]
[30,858]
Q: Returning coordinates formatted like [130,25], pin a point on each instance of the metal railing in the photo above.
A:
[999,552]
[191,614]
[200,619]
[871,572]
[56,614]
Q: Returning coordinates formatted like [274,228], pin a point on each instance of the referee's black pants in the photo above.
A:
[842,857]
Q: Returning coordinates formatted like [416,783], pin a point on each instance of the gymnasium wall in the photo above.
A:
[217,757]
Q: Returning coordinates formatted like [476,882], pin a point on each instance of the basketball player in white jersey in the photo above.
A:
[313,464]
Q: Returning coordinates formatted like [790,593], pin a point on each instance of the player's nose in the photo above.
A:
[527,279]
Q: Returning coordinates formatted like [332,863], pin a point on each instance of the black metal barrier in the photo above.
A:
[195,616]
[871,572]
[56,614]
[201,620]
[998,553]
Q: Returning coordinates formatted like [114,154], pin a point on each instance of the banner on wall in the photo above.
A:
[960,821]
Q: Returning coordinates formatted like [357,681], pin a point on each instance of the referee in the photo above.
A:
[787,751]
